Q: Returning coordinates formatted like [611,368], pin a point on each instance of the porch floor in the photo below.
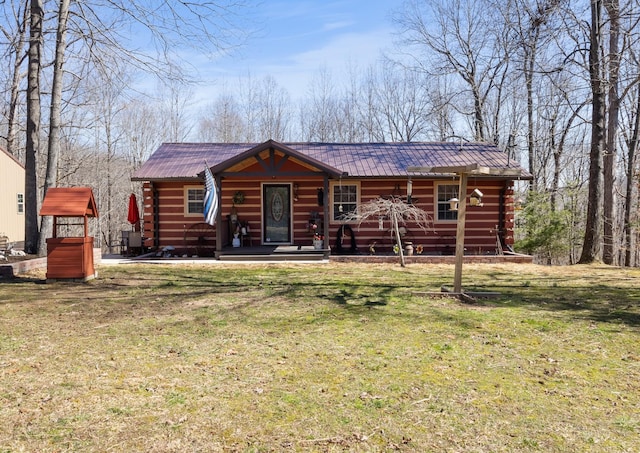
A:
[273,252]
[277,253]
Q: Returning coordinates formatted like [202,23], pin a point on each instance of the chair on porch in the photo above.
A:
[199,238]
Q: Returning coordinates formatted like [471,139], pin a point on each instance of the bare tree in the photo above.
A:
[322,109]
[631,176]
[36,18]
[457,37]
[368,112]
[403,102]
[609,159]
[593,228]
[442,116]
[528,23]
[53,152]
[174,98]
[397,211]
[351,127]
[221,121]
[139,122]
[15,53]
[97,25]
[273,110]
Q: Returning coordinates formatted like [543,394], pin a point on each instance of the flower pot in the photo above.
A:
[317,244]
[408,248]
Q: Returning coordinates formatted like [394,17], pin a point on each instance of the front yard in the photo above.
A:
[329,357]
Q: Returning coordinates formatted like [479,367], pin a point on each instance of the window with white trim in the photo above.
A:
[20,200]
[194,200]
[443,208]
[344,200]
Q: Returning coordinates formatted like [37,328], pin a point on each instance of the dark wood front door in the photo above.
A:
[276,214]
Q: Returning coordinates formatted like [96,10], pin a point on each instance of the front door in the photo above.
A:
[276,213]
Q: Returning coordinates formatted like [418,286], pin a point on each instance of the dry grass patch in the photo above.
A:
[321,358]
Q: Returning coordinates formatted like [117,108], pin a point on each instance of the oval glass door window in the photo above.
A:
[277,207]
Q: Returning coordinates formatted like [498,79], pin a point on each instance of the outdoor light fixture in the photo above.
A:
[295,192]
[453,204]
[409,190]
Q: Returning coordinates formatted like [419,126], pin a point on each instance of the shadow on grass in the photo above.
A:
[600,303]
[609,300]
[19,279]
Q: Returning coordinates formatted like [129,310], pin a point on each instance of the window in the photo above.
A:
[194,201]
[445,193]
[20,203]
[344,200]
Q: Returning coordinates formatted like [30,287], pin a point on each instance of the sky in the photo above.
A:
[295,39]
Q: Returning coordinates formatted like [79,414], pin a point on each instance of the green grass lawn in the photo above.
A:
[337,357]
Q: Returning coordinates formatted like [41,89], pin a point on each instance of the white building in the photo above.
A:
[12,208]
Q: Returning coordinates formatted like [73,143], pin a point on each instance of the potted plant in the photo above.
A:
[318,241]
[318,237]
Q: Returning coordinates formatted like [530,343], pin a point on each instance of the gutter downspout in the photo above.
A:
[502,227]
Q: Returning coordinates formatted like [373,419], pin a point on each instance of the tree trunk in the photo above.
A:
[609,249]
[631,181]
[529,64]
[478,117]
[16,79]
[33,126]
[53,153]
[398,238]
[593,228]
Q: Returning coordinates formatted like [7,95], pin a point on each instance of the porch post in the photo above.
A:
[325,202]
[219,217]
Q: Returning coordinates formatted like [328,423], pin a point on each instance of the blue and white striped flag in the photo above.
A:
[210,208]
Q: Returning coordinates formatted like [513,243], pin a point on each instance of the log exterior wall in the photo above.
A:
[165,222]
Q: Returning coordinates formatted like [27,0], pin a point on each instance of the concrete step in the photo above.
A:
[275,257]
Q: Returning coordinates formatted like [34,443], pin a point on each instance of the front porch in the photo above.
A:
[272,253]
[284,253]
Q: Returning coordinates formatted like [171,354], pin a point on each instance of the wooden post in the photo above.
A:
[327,210]
[464,171]
[462,213]
[219,244]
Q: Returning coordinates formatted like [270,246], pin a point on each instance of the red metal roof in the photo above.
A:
[359,160]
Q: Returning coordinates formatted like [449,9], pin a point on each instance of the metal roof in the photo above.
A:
[357,160]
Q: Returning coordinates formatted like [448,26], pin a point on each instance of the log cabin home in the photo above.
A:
[277,195]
